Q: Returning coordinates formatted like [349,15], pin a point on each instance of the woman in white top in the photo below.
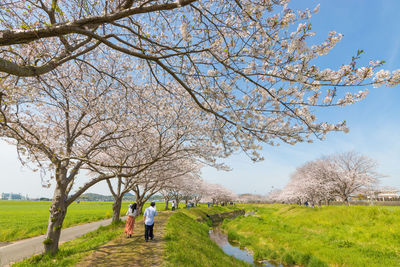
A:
[130,222]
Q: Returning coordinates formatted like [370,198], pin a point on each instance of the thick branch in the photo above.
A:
[11,37]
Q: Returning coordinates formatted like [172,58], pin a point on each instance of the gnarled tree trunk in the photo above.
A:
[117,209]
[139,203]
[177,202]
[166,204]
[186,201]
[58,210]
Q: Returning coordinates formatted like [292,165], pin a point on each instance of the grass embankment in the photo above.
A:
[23,219]
[328,236]
[188,243]
[72,251]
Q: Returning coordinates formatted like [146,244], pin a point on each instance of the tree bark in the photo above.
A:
[117,209]
[166,204]
[139,203]
[196,201]
[58,210]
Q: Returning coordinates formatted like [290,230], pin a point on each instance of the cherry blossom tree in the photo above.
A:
[339,175]
[146,150]
[172,190]
[314,182]
[219,194]
[184,185]
[176,188]
[59,123]
[249,63]
[124,160]
[166,193]
[251,198]
[199,190]
[190,187]
[168,140]
[274,195]
[352,171]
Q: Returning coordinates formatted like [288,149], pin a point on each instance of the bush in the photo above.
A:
[287,258]
[314,262]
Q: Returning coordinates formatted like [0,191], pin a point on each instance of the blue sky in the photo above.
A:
[374,123]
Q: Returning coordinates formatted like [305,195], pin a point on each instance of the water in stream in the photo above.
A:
[222,240]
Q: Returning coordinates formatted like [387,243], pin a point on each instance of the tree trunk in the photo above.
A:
[139,203]
[117,209]
[346,200]
[166,204]
[58,210]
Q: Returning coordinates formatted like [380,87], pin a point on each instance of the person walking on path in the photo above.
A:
[173,205]
[130,222]
[148,215]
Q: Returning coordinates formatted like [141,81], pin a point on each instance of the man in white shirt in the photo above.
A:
[148,215]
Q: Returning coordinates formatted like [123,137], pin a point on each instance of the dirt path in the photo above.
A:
[18,250]
[132,251]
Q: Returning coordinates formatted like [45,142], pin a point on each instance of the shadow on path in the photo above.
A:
[18,250]
[133,251]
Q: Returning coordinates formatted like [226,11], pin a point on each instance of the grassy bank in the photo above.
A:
[188,243]
[328,236]
[23,219]
[71,252]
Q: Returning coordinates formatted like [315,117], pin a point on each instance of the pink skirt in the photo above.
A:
[130,222]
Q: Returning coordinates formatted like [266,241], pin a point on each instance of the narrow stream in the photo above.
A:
[222,241]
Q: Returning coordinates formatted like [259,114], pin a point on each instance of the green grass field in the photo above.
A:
[23,219]
[327,236]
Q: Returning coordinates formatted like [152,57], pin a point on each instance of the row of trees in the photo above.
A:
[136,93]
[195,190]
[178,184]
[78,118]
[328,178]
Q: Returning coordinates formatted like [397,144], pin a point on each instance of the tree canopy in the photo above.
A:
[249,63]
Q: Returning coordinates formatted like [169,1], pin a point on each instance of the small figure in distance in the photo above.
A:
[173,205]
[149,215]
[130,222]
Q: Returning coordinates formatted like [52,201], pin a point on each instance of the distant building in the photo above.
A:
[389,195]
[12,196]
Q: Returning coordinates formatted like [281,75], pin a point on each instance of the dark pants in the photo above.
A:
[148,231]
